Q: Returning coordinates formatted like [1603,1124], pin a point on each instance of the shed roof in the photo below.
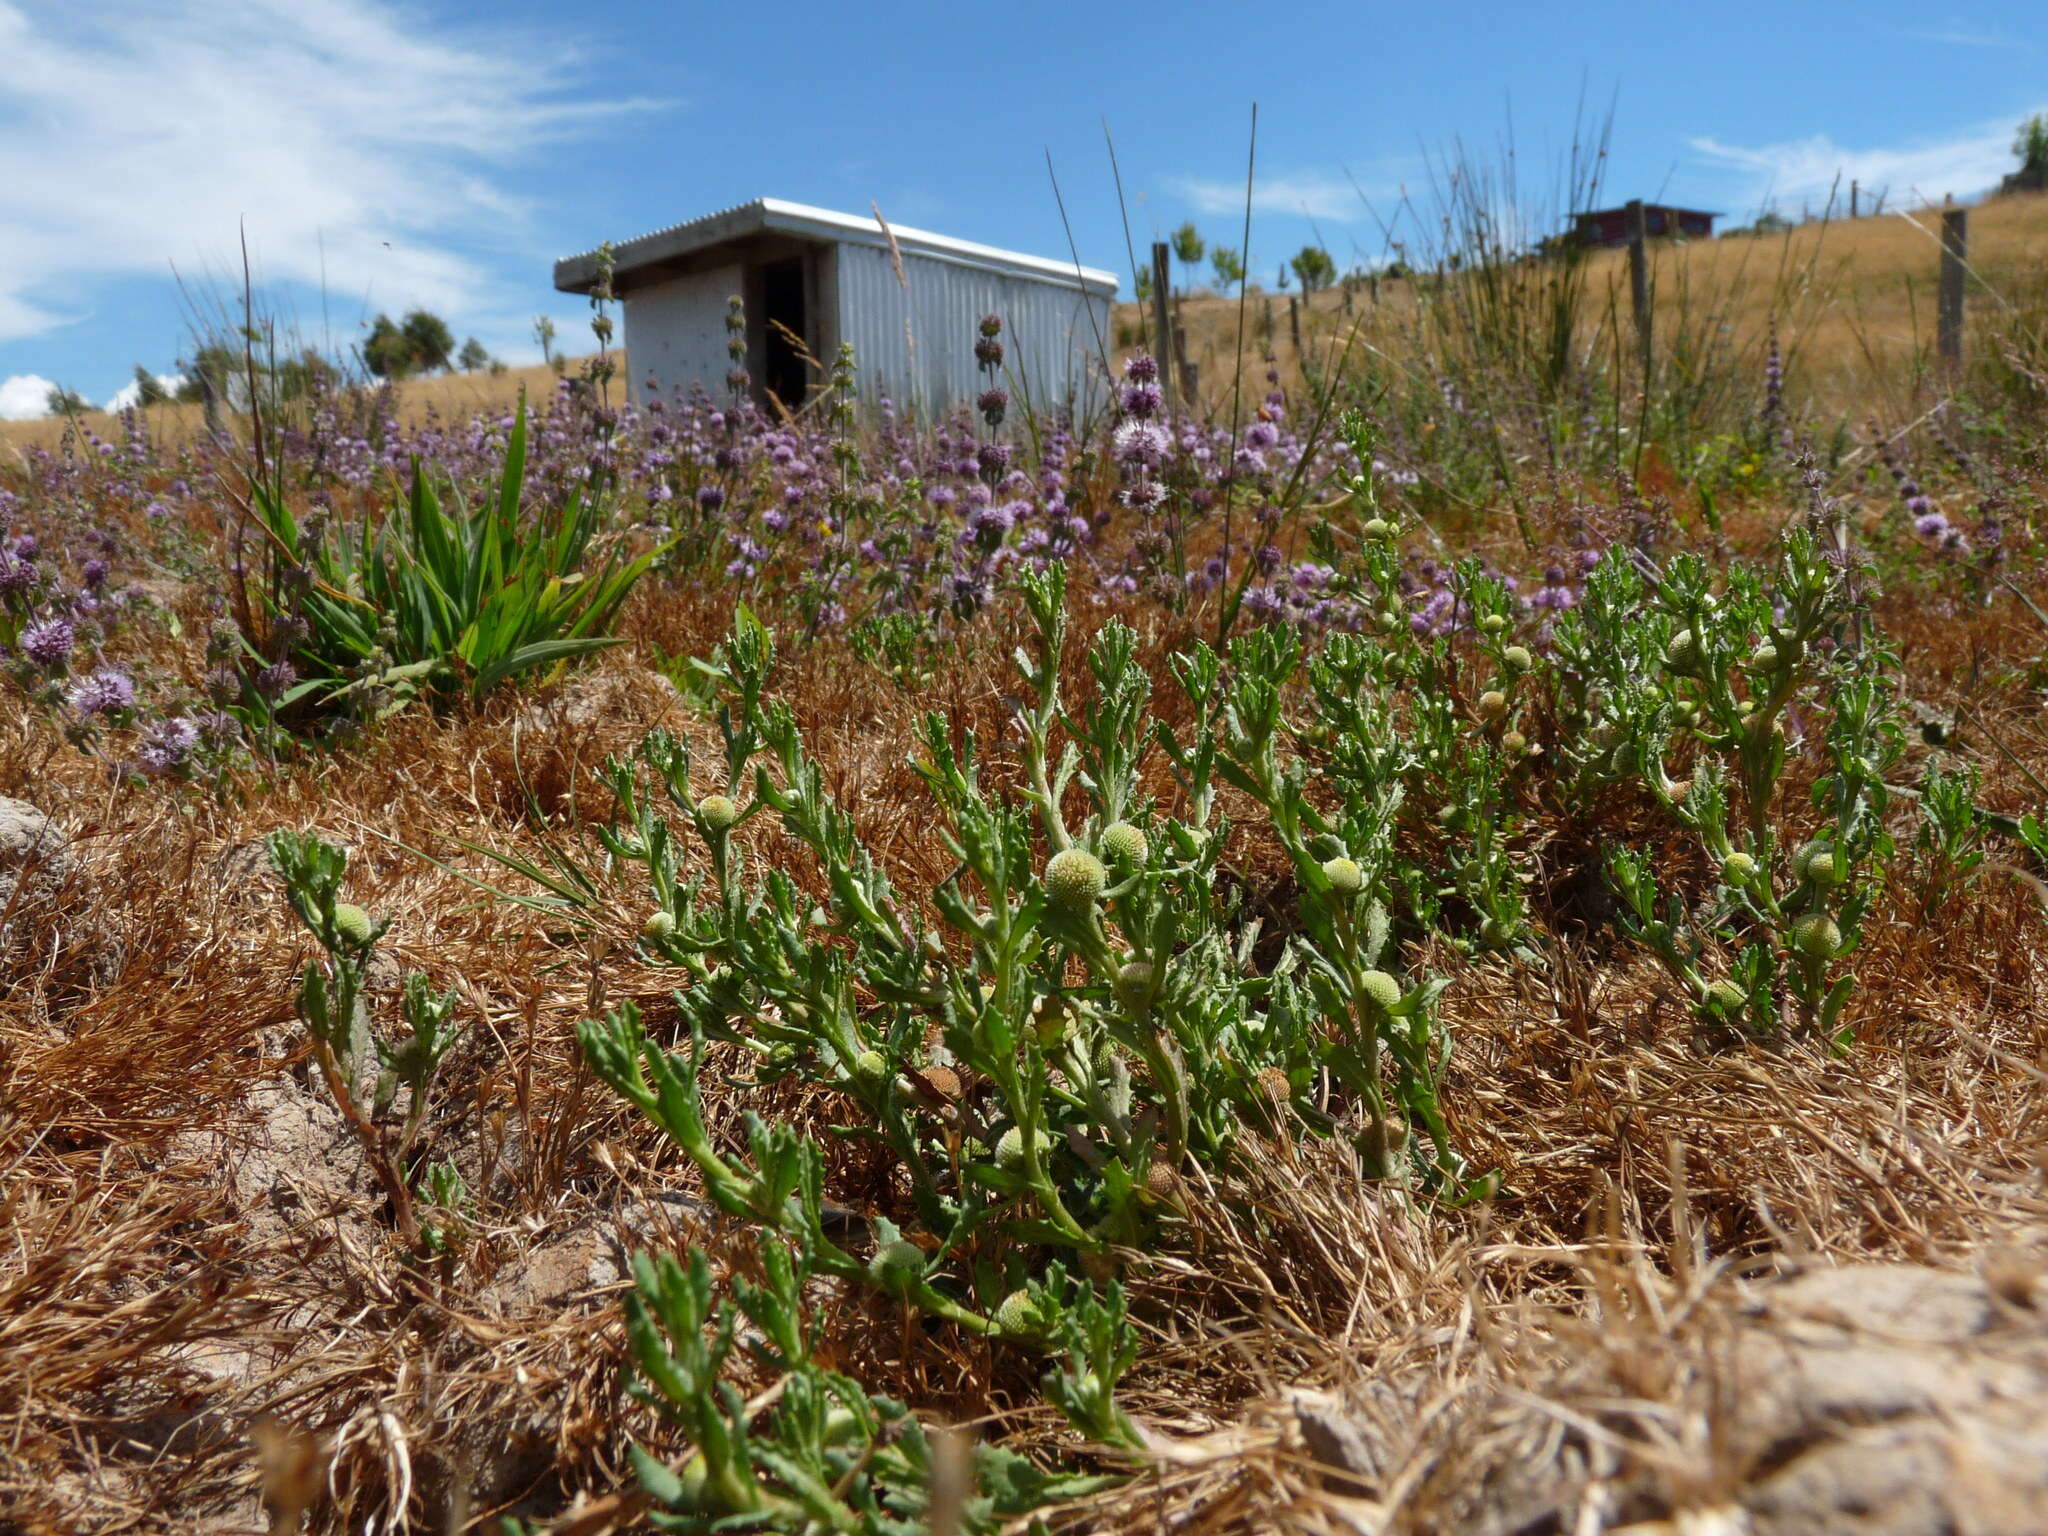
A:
[578,274]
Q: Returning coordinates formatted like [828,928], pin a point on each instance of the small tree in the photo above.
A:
[473,358]
[66,402]
[1144,286]
[433,344]
[544,333]
[386,352]
[1188,247]
[149,389]
[1228,266]
[1312,264]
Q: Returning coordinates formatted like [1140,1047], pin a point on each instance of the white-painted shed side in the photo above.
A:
[913,334]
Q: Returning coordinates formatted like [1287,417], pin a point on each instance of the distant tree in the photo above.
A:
[66,402]
[2030,143]
[1144,286]
[1281,281]
[473,358]
[149,389]
[386,352]
[544,333]
[421,343]
[1188,247]
[1312,264]
[215,363]
[433,344]
[1227,265]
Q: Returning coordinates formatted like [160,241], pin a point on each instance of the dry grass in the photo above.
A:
[1855,308]
[450,396]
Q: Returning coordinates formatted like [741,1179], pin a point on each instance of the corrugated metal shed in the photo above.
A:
[906,299]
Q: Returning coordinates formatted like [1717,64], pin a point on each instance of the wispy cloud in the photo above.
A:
[1318,194]
[362,146]
[1970,161]
[1962,35]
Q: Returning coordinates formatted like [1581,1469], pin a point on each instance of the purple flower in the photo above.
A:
[1142,400]
[94,574]
[1141,442]
[166,746]
[15,575]
[276,678]
[993,458]
[1931,525]
[1141,369]
[48,642]
[1261,434]
[992,403]
[103,693]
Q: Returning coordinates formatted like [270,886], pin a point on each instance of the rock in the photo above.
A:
[35,862]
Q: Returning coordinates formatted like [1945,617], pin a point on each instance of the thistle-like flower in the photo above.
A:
[1344,875]
[1075,879]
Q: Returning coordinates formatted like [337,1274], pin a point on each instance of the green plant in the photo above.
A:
[437,601]
[364,1069]
[1688,687]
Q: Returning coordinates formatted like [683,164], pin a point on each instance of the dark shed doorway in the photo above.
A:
[785,331]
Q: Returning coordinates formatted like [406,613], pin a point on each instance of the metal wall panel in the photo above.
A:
[1052,335]
[675,333]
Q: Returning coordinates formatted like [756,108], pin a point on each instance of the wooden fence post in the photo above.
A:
[1294,322]
[1162,325]
[1639,280]
[1852,199]
[1955,247]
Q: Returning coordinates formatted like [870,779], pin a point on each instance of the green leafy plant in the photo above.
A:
[438,601]
[366,1069]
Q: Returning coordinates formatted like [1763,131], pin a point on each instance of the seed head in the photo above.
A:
[1124,843]
[1492,704]
[1494,624]
[1377,528]
[718,812]
[1274,1085]
[1738,868]
[1514,743]
[1816,936]
[1683,653]
[1381,988]
[659,925]
[353,925]
[1764,657]
[1345,877]
[870,1067]
[1075,879]
[1162,1182]
[1516,658]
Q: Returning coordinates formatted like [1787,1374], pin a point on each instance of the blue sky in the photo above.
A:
[387,155]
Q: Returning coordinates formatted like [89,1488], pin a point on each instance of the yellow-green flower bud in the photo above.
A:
[1764,657]
[1738,869]
[1816,936]
[1726,996]
[353,924]
[1381,988]
[1124,843]
[659,925]
[1376,528]
[1134,983]
[717,812]
[1514,743]
[1075,879]
[1683,653]
[1010,1150]
[1494,624]
[1017,1316]
[870,1067]
[1821,863]
[896,1265]
[1492,704]
[1516,658]
[1344,875]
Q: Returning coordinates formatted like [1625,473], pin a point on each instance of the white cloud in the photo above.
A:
[1318,195]
[24,397]
[1970,162]
[131,392]
[358,145]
